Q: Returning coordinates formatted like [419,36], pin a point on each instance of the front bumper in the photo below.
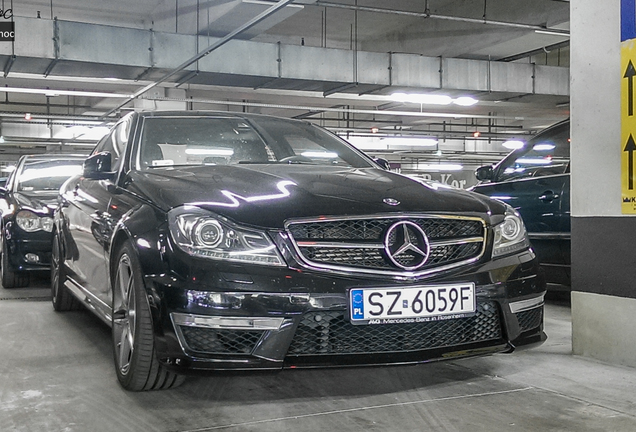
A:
[29,251]
[273,319]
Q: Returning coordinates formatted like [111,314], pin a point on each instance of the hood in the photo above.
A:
[44,201]
[267,195]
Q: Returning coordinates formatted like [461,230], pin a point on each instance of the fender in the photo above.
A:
[146,229]
[139,225]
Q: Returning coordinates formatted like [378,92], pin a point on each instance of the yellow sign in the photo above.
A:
[628,126]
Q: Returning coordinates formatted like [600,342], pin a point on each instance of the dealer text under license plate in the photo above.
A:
[409,305]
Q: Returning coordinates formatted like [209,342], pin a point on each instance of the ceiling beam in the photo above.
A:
[427,14]
[219,43]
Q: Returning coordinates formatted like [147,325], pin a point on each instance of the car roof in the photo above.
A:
[60,156]
[226,114]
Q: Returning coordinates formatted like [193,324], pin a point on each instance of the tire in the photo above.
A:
[10,278]
[136,362]
[61,297]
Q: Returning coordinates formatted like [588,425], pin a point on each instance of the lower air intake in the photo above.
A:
[530,319]
[330,332]
[214,341]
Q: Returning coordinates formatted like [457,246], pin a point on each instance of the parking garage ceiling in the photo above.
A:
[339,63]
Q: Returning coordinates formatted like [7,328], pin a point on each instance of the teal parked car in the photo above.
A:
[535,180]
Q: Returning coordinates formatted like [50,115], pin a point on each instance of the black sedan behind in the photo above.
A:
[28,199]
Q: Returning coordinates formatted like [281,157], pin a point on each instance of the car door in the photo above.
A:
[90,223]
[85,206]
[539,200]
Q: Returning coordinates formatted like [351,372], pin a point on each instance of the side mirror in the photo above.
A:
[98,166]
[3,191]
[484,173]
[383,163]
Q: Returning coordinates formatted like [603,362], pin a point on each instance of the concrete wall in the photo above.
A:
[603,273]
[603,328]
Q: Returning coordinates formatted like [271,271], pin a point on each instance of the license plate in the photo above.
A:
[411,305]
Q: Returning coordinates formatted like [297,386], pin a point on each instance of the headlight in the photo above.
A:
[200,233]
[31,222]
[510,235]
[47,223]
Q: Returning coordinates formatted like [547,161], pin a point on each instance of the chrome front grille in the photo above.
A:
[373,228]
[360,244]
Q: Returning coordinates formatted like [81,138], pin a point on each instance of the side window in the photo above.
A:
[546,154]
[115,143]
[11,178]
[100,145]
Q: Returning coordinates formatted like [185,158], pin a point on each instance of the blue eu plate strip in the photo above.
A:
[357,304]
[628,20]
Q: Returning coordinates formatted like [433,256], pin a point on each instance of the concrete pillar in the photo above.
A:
[603,238]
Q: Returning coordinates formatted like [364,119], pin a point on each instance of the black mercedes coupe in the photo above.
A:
[217,241]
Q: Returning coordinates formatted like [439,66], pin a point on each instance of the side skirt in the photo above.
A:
[88,299]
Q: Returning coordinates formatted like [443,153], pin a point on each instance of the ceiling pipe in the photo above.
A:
[61,117]
[16,140]
[383,133]
[537,51]
[428,14]
[225,39]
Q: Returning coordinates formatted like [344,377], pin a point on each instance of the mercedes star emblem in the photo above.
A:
[391,201]
[406,245]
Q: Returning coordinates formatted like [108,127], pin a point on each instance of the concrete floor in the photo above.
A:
[56,374]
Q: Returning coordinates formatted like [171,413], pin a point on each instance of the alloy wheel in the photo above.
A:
[124,315]
[55,266]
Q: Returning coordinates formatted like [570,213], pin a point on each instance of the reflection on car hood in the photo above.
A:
[267,195]
[36,200]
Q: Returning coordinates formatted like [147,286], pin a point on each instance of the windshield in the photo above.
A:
[546,154]
[40,175]
[173,141]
